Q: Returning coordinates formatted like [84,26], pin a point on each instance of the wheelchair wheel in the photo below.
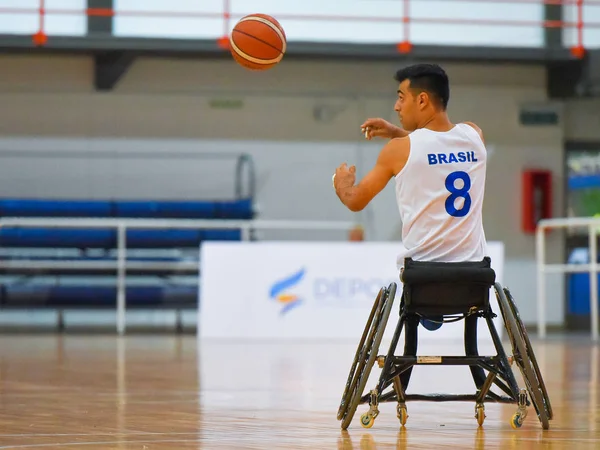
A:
[368,356]
[530,353]
[521,356]
[359,357]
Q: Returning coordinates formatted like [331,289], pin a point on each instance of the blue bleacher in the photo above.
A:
[99,296]
[87,293]
[107,238]
[167,209]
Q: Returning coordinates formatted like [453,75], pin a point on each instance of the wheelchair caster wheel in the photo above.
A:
[402,414]
[519,417]
[367,420]
[480,414]
[517,420]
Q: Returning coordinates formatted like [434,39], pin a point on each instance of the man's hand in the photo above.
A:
[382,129]
[344,177]
[343,182]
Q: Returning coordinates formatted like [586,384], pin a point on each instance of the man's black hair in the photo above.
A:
[430,78]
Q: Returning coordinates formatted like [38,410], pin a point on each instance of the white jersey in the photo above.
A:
[440,196]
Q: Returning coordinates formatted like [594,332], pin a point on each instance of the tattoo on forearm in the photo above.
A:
[346,193]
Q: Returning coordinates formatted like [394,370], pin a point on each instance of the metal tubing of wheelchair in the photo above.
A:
[593,281]
[455,398]
[487,385]
[392,397]
[446,361]
[121,261]
[541,281]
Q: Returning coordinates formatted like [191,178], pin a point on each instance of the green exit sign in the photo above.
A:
[226,103]
[538,118]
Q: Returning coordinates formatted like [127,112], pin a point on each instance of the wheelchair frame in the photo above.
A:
[396,370]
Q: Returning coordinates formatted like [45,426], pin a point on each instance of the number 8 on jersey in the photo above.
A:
[457,193]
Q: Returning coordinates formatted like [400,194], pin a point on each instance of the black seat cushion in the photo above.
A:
[441,288]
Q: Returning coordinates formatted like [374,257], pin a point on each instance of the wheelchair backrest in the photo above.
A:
[441,288]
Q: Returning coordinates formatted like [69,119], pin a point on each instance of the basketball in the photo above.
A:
[258,42]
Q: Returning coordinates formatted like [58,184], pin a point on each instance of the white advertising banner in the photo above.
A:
[306,290]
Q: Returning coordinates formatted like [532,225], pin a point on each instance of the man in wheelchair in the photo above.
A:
[439,171]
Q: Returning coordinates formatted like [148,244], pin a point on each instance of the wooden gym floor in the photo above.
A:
[167,392]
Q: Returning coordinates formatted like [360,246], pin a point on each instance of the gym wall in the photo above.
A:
[299,121]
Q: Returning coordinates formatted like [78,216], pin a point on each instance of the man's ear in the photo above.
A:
[422,100]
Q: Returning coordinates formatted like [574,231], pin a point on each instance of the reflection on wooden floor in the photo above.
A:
[164,392]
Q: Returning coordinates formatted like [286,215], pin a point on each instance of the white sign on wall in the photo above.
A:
[300,290]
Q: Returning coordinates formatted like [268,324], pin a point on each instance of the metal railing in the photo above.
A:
[122,225]
[593,226]
[402,12]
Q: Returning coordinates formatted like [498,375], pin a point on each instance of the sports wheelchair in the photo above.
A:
[445,292]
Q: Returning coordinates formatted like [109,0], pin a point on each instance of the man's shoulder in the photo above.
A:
[401,141]
[397,147]
[395,153]
[476,128]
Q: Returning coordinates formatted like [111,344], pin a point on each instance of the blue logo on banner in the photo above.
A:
[280,292]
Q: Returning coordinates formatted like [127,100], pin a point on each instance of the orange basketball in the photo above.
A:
[258,42]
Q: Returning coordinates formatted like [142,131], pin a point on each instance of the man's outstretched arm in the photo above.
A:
[390,161]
